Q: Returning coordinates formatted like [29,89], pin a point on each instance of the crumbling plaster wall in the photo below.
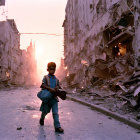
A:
[10,52]
[16,66]
[84,24]
[136,40]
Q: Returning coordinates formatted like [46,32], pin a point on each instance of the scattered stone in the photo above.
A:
[19,128]
[29,108]
[91,98]
[137,91]
[110,118]
[138,116]
[124,102]
[132,102]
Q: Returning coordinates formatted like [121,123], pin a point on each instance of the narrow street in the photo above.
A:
[20,115]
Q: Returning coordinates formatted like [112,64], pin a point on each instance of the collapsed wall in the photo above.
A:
[101,40]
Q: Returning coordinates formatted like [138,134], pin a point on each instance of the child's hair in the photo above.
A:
[51,64]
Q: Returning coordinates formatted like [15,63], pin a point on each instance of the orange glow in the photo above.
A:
[68,74]
[7,74]
[65,68]
[122,49]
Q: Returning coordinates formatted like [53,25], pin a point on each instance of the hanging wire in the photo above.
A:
[41,33]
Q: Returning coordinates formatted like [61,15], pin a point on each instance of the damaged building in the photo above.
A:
[15,64]
[97,33]
[101,43]
[9,52]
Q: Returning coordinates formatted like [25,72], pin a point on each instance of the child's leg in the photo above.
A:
[41,121]
[43,115]
[55,115]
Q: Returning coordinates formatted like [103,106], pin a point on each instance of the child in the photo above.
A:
[51,84]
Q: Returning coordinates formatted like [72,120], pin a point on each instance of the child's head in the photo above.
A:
[51,68]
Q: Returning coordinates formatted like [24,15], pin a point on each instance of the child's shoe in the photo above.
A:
[41,122]
[59,129]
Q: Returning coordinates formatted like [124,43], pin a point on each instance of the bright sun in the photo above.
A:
[44,55]
[39,52]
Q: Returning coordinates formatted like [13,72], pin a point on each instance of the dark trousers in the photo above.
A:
[55,115]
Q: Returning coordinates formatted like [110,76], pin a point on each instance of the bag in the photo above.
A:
[43,94]
[61,94]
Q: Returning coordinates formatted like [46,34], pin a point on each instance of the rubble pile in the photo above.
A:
[119,76]
[115,84]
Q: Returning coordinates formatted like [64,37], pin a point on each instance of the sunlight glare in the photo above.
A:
[35,116]
[46,54]
[39,52]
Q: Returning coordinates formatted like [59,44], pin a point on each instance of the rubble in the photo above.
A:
[19,128]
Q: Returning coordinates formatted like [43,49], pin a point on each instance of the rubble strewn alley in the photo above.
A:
[21,122]
[94,69]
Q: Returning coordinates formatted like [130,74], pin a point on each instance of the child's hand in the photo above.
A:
[52,90]
[56,88]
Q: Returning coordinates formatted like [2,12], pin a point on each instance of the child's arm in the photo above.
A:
[48,88]
[44,85]
[58,85]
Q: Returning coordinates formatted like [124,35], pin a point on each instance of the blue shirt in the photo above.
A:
[52,81]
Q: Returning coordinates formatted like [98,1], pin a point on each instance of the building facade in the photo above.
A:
[98,33]
[9,52]
[17,67]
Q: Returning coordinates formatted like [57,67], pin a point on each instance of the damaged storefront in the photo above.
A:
[101,47]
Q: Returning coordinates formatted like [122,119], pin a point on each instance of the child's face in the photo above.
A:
[51,70]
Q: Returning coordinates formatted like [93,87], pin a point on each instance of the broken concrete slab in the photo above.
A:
[131,101]
[137,91]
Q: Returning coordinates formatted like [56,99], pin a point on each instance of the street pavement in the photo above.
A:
[19,120]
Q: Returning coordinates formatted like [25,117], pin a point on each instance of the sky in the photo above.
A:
[40,16]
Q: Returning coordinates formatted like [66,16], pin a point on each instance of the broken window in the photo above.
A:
[91,6]
[118,37]
[126,20]
[122,49]
[119,50]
